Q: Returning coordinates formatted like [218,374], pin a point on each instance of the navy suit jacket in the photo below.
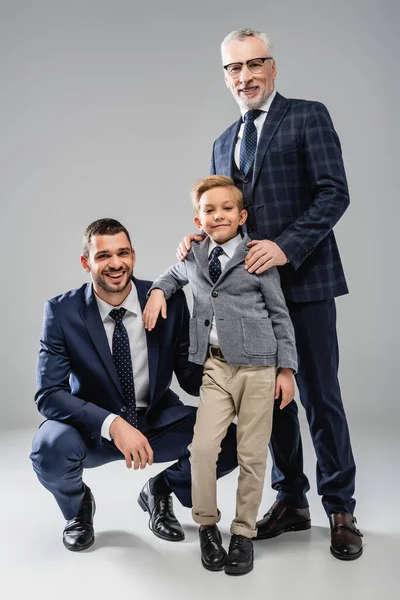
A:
[299,192]
[77,382]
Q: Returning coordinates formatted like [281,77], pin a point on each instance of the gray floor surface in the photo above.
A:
[127,560]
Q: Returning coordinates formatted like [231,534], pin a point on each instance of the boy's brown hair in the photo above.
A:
[215,181]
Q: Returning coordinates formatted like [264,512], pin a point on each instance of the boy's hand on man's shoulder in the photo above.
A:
[155,304]
[284,387]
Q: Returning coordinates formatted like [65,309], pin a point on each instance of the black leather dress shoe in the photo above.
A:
[213,555]
[78,534]
[281,518]
[346,543]
[163,522]
[240,556]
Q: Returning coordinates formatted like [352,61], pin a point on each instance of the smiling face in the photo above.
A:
[219,215]
[250,90]
[110,263]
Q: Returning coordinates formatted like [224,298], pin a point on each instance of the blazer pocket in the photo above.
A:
[193,335]
[258,337]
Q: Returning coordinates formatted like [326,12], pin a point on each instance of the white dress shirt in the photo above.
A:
[229,248]
[259,122]
[138,345]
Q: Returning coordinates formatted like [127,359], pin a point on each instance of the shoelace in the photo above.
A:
[238,543]
[165,505]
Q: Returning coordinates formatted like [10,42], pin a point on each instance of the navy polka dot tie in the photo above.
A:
[122,358]
[249,141]
[215,264]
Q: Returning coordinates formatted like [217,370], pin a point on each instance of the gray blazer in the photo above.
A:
[252,319]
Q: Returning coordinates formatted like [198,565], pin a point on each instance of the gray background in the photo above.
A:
[110,108]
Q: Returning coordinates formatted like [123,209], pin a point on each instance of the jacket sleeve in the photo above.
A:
[281,323]
[328,184]
[172,280]
[188,374]
[53,397]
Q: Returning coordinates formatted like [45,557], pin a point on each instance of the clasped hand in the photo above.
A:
[132,443]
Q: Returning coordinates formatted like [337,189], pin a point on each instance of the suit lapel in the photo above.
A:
[275,115]
[94,325]
[200,253]
[238,257]
[151,336]
[227,150]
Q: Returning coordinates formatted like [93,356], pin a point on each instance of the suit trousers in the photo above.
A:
[228,391]
[60,453]
[317,380]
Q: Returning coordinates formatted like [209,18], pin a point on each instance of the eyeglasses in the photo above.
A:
[255,65]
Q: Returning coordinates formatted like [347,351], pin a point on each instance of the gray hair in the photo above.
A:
[241,34]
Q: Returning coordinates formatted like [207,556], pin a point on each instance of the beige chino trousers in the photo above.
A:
[228,391]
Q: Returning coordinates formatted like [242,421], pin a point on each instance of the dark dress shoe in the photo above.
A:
[240,556]
[78,534]
[346,543]
[280,518]
[163,522]
[213,555]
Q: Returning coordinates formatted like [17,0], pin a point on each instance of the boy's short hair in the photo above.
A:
[215,181]
[102,227]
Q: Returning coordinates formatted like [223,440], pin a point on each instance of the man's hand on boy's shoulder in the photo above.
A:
[263,255]
[184,247]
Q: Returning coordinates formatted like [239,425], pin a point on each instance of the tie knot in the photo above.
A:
[217,251]
[117,314]
[251,115]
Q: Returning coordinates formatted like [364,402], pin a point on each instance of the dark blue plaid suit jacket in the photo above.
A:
[299,192]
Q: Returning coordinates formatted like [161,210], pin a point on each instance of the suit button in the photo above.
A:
[214,294]
[123,409]
[206,322]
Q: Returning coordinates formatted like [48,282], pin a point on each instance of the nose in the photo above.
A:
[115,262]
[217,216]
[245,75]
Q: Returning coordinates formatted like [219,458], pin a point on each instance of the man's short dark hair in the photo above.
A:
[102,227]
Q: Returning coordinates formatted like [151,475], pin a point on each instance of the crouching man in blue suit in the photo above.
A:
[103,386]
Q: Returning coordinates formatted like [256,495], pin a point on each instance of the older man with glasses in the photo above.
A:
[285,156]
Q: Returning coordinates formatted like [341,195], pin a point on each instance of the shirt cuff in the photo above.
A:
[105,428]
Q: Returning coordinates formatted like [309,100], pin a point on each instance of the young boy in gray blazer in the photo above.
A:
[242,333]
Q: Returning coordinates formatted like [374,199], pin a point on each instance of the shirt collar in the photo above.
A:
[229,247]
[265,107]
[130,304]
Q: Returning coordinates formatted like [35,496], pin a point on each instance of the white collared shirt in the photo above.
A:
[138,345]
[229,248]
[259,122]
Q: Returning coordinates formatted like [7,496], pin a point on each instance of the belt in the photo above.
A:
[215,352]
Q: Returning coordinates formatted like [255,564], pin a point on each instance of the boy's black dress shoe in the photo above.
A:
[346,543]
[79,533]
[280,518]
[240,556]
[213,555]
[163,522]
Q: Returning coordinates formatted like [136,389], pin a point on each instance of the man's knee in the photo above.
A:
[54,444]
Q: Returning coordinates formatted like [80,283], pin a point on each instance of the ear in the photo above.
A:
[85,263]
[197,222]
[243,216]
[227,78]
[274,69]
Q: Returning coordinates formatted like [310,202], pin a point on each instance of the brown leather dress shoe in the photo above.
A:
[280,518]
[346,543]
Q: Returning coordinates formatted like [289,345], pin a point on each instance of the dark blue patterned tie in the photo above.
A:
[249,141]
[215,264]
[122,358]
